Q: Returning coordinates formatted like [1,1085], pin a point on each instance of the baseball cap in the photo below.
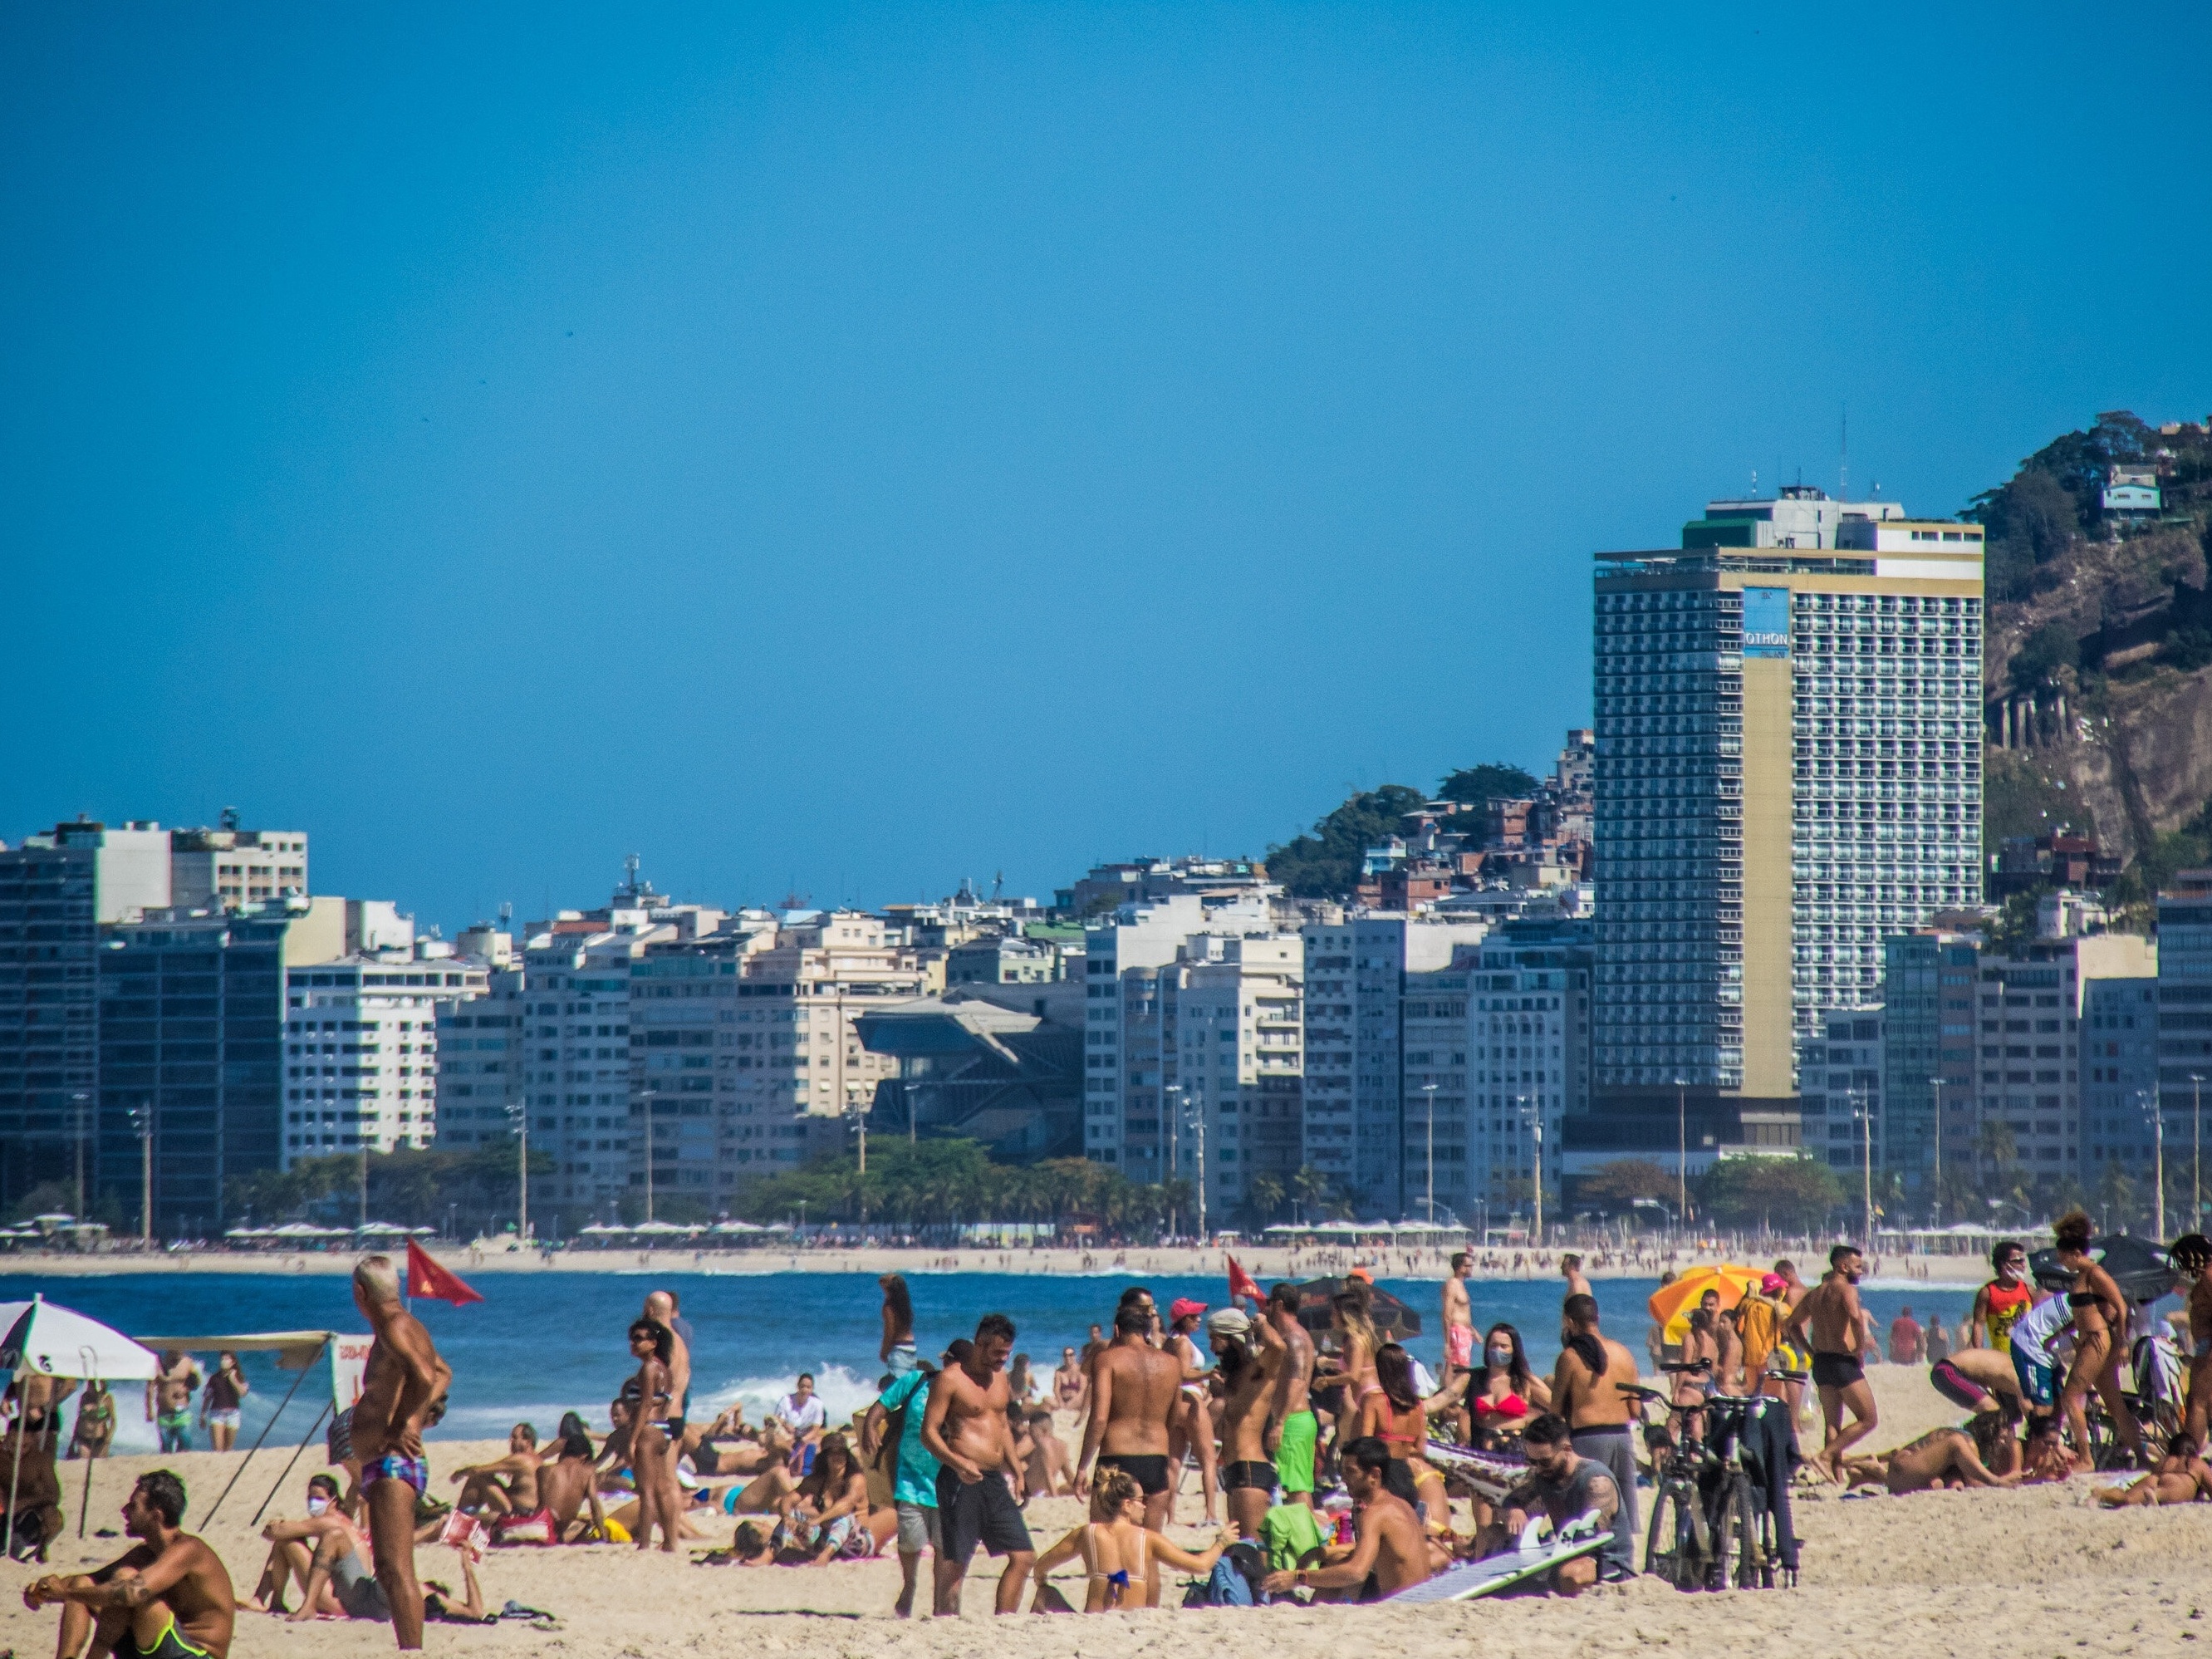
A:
[1182,1308]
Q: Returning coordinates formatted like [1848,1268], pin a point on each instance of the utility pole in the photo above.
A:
[360,1133]
[647,1094]
[1536,1125]
[2157,1141]
[2196,1154]
[1198,1102]
[1865,1118]
[858,1112]
[1430,1089]
[1171,1127]
[1681,1151]
[142,1120]
[1937,1083]
[77,1134]
[521,1114]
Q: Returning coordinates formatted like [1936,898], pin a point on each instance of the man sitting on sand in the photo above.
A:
[327,1557]
[168,1598]
[1569,1486]
[509,1487]
[1941,1459]
[1392,1551]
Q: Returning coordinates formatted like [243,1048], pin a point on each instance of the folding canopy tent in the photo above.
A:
[295,1351]
[45,1338]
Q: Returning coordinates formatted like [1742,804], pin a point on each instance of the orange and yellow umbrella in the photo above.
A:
[1672,1304]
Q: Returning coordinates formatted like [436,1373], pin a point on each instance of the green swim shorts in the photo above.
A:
[1294,1454]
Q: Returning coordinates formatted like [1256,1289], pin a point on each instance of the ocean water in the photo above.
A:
[540,1345]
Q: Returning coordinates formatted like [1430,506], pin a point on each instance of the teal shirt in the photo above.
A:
[917,1468]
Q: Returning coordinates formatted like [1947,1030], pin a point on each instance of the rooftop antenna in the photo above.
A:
[1844,459]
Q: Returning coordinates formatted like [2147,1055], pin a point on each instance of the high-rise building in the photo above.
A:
[2119,1083]
[56,890]
[1928,1027]
[361,1051]
[1842,1072]
[228,868]
[191,1022]
[1385,949]
[1528,1050]
[2184,1005]
[1239,1067]
[1789,717]
[480,1063]
[2028,1079]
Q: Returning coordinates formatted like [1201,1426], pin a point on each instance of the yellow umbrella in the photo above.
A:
[1672,1304]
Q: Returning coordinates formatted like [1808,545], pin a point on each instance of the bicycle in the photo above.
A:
[1708,1530]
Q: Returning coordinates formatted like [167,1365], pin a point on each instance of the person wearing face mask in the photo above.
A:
[1506,1393]
[1832,1315]
[328,1558]
[1999,1304]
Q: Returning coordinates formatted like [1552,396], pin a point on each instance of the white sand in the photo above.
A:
[2035,1572]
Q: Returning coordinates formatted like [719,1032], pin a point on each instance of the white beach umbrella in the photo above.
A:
[51,1340]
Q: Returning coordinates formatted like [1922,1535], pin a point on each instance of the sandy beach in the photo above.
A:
[1264,1264]
[2034,1571]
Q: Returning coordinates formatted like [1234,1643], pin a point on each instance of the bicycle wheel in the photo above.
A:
[1669,1544]
[1723,1528]
[1751,1568]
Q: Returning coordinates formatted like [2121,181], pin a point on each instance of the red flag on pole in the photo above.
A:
[427,1278]
[1241,1283]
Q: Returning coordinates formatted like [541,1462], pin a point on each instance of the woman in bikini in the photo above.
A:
[896,1350]
[1105,1580]
[1505,1394]
[1396,1415]
[828,1519]
[652,1465]
[2101,1325]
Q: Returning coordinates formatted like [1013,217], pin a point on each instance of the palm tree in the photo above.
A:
[1265,1197]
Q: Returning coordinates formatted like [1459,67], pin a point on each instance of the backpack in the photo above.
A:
[1234,1583]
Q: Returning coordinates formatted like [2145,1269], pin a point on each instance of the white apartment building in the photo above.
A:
[1528,1059]
[1444,1145]
[575,1004]
[229,868]
[823,969]
[1236,1094]
[361,1052]
[1129,1039]
[1356,975]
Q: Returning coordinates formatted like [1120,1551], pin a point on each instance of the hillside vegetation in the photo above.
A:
[2116,619]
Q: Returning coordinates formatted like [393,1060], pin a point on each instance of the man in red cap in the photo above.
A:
[1190,1427]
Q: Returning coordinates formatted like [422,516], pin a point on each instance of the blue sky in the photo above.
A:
[858,447]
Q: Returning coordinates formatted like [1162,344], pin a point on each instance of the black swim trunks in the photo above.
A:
[1149,1471]
[170,1644]
[1955,1386]
[984,1513]
[1837,1370]
[1248,1477]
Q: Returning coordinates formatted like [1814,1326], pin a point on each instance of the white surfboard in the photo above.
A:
[1535,1557]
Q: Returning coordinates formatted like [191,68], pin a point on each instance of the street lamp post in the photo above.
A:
[142,1121]
[647,1094]
[1864,1117]
[1937,1083]
[1682,1150]
[2158,1144]
[520,1113]
[1430,1089]
[77,1134]
[2195,1153]
[1171,1127]
[1198,1114]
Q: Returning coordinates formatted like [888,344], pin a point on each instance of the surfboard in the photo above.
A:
[1471,1580]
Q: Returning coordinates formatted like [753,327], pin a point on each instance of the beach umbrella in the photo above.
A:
[1671,1305]
[53,1340]
[2138,1266]
[1393,1318]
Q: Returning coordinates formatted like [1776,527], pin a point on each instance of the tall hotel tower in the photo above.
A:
[1789,769]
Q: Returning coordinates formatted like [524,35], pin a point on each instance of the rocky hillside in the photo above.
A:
[2099,645]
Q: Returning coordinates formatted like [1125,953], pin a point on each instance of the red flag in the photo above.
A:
[1241,1283]
[426,1278]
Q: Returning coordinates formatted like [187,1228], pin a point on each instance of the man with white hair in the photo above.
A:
[403,1380]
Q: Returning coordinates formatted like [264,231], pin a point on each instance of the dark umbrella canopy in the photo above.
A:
[1393,1318]
[2138,1266]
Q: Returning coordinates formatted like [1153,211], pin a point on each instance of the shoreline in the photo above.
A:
[1267,1265]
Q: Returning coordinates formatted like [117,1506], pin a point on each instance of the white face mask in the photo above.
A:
[317,1506]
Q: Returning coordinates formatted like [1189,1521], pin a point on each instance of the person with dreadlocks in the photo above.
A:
[2192,1256]
[1587,1390]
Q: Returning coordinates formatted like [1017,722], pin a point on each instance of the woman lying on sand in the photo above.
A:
[2179,1478]
[1941,1459]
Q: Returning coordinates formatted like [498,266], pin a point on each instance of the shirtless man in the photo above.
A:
[403,1379]
[1568,1486]
[1251,1355]
[1586,1392]
[2192,1255]
[1391,1553]
[1983,1382]
[2101,1334]
[1940,1459]
[1459,1316]
[509,1487]
[169,1400]
[169,1598]
[1069,1389]
[1570,1269]
[660,1308]
[1832,1313]
[965,1430]
[1293,1432]
[1132,1388]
